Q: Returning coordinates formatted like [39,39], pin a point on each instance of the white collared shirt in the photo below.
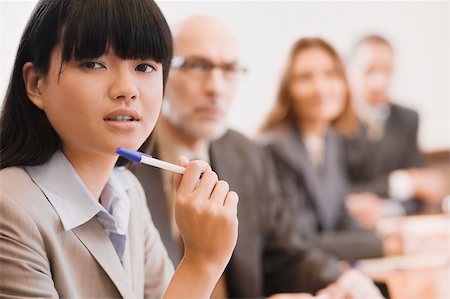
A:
[75,205]
[374,118]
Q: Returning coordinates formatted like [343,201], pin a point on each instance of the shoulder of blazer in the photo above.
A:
[29,210]
[277,135]
[16,184]
[282,142]
[404,114]
[235,141]
[235,146]
[12,174]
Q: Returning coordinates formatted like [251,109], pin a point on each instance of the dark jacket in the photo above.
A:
[269,256]
[318,196]
[371,162]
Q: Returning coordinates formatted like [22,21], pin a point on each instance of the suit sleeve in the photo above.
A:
[413,157]
[365,244]
[24,267]
[349,240]
[291,261]
[359,154]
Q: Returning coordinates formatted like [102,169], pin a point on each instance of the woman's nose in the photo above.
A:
[321,86]
[124,86]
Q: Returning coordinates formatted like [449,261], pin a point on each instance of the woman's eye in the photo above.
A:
[92,65]
[302,77]
[146,68]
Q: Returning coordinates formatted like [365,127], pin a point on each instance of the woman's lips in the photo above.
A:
[123,119]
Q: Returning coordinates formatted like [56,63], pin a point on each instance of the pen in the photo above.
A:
[138,157]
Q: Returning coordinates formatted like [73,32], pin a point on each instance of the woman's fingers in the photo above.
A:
[206,215]
[206,184]
[231,201]
[191,176]
[203,184]
[219,193]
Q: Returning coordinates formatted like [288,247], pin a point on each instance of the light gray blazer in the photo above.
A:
[38,258]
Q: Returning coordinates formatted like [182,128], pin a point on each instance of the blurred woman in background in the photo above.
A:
[304,132]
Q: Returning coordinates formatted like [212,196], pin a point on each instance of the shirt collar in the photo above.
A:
[68,194]
[375,113]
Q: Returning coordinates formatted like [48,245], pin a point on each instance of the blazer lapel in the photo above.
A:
[385,151]
[333,182]
[388,146]
[299,159]
[93,236]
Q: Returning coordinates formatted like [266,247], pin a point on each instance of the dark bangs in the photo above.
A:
[134,29]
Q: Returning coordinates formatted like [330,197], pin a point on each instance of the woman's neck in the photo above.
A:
[93,168]
[316,128]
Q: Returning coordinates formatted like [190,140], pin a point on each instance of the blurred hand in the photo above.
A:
[352,284]
[393,244]
[429,184]
[206,216]
[366,208]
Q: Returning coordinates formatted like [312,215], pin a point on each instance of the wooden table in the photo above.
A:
[423,272]
[417,283]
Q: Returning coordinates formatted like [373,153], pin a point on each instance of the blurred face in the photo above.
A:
[200,91]
[372,72]
[317,89]
[97,105]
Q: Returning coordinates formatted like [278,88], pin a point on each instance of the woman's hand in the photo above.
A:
[206,215]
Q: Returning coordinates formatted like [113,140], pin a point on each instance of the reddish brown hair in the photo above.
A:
[283,113]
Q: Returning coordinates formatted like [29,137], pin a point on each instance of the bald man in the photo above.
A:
[268,258]
[199,92]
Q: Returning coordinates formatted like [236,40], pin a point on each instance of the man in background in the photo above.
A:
[270,257]
[384,159]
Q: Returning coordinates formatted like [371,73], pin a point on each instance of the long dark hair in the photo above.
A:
[135,29]
[282,114]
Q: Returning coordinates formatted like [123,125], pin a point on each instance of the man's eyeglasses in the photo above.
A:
[202,67]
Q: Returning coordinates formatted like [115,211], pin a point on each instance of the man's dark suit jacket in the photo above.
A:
[318,196]
[270,256]
[370,162]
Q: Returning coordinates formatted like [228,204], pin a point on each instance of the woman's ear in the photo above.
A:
[33,84]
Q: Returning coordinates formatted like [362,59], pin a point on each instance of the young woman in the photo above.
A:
[313,103]
[88,78]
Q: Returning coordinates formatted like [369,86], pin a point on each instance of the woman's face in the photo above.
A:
[97,105]
[317,89]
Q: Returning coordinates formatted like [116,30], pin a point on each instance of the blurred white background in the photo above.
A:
[265,30]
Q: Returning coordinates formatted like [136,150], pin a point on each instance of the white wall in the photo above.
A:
[266,30]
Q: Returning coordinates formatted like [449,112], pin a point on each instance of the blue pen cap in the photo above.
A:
[129,154]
